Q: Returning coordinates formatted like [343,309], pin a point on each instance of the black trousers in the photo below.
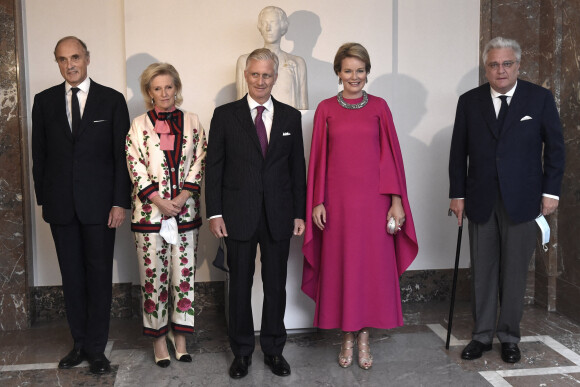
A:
[241,257]
[85,256]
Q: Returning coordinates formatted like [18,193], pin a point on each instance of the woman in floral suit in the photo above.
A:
[166,150]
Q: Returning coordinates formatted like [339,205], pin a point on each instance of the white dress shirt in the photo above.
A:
[267,114]
[82,95]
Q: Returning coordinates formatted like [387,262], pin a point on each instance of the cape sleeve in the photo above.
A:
[315,191]
[392,181]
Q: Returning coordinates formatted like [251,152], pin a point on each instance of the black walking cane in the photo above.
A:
[453,288]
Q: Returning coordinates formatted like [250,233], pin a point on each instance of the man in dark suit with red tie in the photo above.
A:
[505,169]
[81,182]
[255,194]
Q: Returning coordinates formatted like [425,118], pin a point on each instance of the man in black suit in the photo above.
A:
[255,194]
[505,168]
[81,182]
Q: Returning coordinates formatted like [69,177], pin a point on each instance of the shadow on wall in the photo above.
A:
[135,66]
[304,31]
[226,94]
[425,154]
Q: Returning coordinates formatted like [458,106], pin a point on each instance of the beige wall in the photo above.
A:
[424,54]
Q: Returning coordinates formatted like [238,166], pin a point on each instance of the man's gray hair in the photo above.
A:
[500,42]
[263,54]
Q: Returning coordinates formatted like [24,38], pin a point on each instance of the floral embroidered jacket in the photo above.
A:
[165,172]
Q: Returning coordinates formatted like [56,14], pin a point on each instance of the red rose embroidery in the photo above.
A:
[185,272]
[149,273]
[184,260]
[146,208]
[149,306]
[163,277]
[148,287]
[184,304]
[184,286]
[163,296]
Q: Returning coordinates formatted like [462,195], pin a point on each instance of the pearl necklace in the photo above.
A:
[359,105]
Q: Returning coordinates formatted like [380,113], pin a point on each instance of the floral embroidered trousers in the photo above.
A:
[167,275]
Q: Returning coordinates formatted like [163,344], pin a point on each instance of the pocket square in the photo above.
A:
[99,120]
[286,134]
[526,118]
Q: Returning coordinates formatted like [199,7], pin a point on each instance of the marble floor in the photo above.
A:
[413,355]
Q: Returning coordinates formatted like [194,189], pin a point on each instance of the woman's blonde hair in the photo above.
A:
[154,70]
[351,50]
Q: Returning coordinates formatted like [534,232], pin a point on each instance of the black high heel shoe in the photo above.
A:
[183,357]
[162,362]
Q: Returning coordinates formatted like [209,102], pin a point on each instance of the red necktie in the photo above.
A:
[261,130]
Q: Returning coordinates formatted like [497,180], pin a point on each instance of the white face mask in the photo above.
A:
[545,228]
[169,231]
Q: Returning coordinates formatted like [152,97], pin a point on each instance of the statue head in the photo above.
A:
[272,23]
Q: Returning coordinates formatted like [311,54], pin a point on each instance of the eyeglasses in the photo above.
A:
[506,65]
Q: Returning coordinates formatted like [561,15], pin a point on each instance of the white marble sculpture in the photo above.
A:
[291,87]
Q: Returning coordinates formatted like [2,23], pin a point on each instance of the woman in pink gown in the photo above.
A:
[356,184]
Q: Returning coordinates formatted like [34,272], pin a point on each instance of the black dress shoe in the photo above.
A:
[239,367]
[99,364]
[474,350]
[510,353]
[74,358]
[277,364]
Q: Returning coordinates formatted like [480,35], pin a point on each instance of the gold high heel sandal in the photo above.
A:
[365,359]
[183,357]
[345,360]
[162,362]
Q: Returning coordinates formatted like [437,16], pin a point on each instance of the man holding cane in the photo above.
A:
[505,168]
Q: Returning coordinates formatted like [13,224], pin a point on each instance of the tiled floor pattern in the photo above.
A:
[413,355]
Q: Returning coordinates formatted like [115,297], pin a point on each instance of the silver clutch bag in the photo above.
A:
[391,226]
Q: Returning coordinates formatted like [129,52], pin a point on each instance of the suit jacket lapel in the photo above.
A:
[487,109]
[61,109]
[244,117]
[277,125]
[517,104]
[91,106]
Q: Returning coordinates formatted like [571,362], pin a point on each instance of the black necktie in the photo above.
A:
[502,112]
[76,112]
